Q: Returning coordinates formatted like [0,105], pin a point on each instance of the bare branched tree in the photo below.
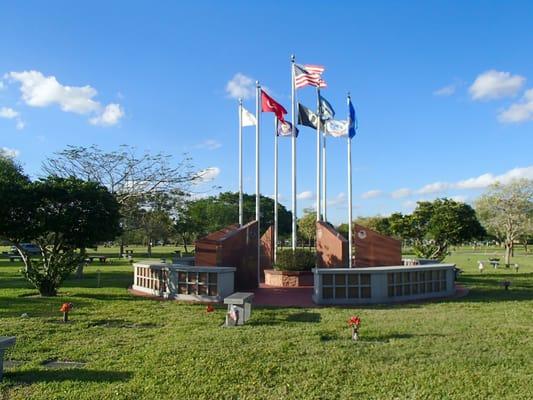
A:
[125,174]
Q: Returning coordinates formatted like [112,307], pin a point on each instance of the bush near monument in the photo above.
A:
[295,260]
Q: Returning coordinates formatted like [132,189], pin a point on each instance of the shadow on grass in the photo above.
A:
[120,323]
[109,297]
[303,317]
[271,318]
[59,375]
[488,287]
[326,336]
[34,305]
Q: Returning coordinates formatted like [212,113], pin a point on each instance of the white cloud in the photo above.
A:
[280,197]
[208,174]
[111,115]
[39,90]
[8,113]
[306,195]
[240,86]
[2,86]
[209,144]
[446,90]
[486,180]
[495,84]
[435,187]
[409,204]
[6,152]
[403,192]
[338,200]
[371,194]
[519,112]
[459,198]
[478,182]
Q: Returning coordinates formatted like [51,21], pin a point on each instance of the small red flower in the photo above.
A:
[66,307]
[209,308]
[354,321]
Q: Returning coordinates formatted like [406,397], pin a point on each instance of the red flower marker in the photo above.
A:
[354,322]
[65,308]
[209,308]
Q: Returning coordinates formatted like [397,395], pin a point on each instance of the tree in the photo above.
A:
[376,223]
[60,216]
[186,226]
[506,212]
[216,212]
[154,219]
[133,179]
[436,225]
[307,226]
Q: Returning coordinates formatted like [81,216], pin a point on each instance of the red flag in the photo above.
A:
[268,104]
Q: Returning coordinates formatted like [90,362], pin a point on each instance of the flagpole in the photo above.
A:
[257,186]
[318,211]
[324,216]
[275,188]
[293,140]
[350,233]
[241,216]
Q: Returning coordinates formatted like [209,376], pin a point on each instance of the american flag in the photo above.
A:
[308,75]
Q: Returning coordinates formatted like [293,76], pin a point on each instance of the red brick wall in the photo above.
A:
[331,247]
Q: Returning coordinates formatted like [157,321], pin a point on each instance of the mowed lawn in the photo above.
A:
[476,347]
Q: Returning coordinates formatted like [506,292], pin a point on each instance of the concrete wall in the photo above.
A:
[378,285]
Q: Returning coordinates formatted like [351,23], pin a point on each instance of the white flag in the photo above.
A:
[248,119]
[337,128]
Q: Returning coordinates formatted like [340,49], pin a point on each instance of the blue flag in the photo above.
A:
[325,109]
[352,119]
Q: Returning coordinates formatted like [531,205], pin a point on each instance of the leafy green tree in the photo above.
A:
[436,225]
[506,212]
[186,227]
[216,212]
[60,216]
[307,226]
[376,223]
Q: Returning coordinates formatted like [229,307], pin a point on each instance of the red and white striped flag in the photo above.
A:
[311,75]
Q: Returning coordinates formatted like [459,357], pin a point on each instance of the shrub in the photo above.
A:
[295,260]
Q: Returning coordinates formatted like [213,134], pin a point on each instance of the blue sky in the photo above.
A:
[440,87]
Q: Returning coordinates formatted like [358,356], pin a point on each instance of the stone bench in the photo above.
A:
[5,342]
[239,308]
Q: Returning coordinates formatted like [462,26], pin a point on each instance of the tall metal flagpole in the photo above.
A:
[324,205]
[275,188]
[241,216]
[350,233]
[293,140]
[257,187]
[318,210]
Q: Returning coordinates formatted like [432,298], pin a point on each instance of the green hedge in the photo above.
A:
[295,260]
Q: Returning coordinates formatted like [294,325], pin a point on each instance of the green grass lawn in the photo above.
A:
[476,347]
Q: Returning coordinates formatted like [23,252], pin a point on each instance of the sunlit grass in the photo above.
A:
[476,347]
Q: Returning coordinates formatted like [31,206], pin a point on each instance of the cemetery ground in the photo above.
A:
[478,346]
